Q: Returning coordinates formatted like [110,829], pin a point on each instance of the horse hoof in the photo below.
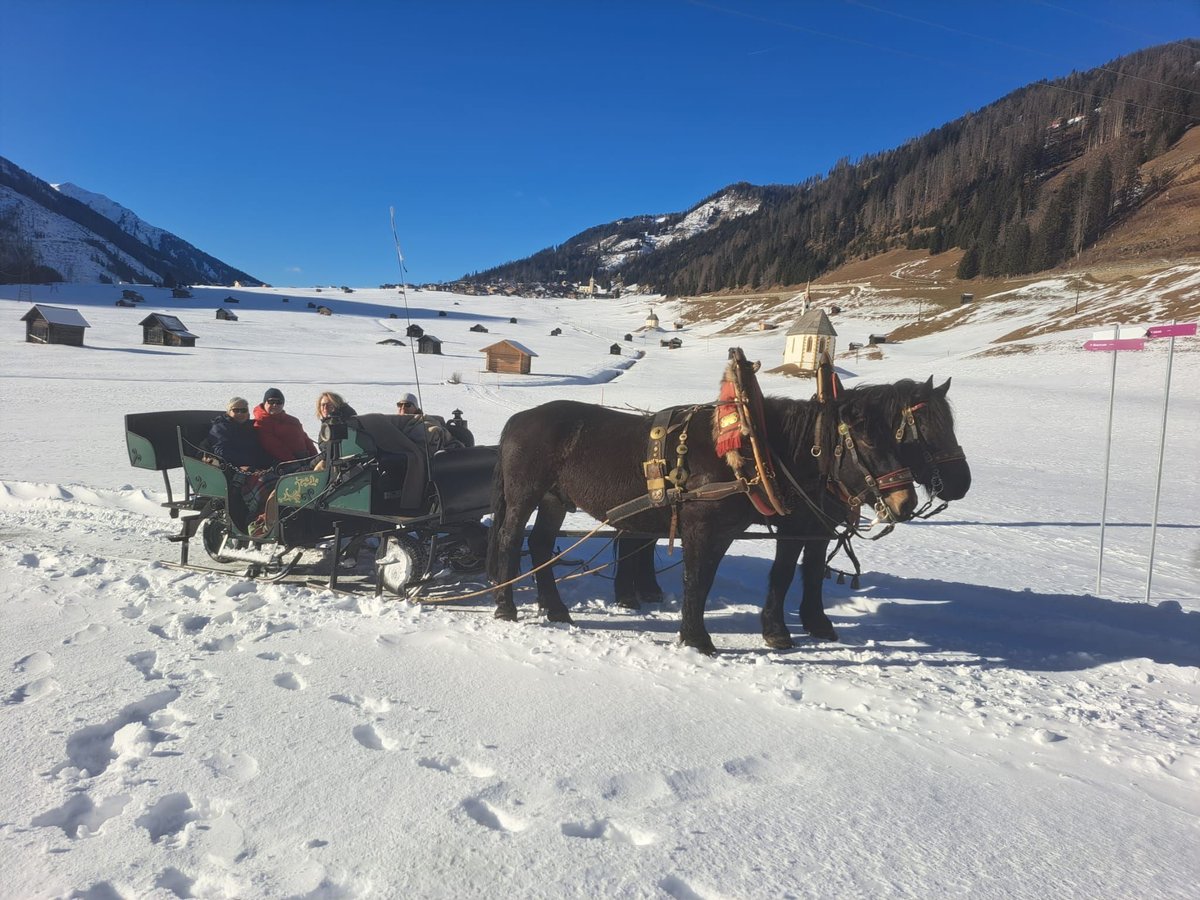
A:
[822,632]
[506,612]
[779,641]
[628,603]
[704,645]
[559,615]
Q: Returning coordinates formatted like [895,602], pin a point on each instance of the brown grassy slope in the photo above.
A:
[1164,232]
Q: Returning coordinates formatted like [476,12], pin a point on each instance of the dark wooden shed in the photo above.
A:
[427,343]
[479,329]
[324,311]
[877,339]
[160,328]
[556,332]
[132,295]
[615,349]
[232,299]
[180,293]
[414,331]
[673,344]
[629,336]
[227,314]
[54,325]
[508,356]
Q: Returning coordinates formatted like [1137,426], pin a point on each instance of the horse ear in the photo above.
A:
[944,388]
[929,384]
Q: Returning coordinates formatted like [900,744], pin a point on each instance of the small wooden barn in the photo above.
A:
[227,314]
[615,349]
[555,332]
[54,325]
[673,344]
[324,311]
[414,331]
[508,356]
[232,299]
[512,320]
[877,339]
[160,328]
[427,343]
[479,329]
[629,336]
[132,295]
[127,304]
[180,294]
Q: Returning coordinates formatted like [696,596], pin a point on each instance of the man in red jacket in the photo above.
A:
[280,434]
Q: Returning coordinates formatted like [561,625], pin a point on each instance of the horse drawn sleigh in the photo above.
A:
[803,468]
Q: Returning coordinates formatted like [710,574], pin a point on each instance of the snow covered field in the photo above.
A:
[987,727]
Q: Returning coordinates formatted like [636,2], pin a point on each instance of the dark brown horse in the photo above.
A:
[566,455]
[923,423]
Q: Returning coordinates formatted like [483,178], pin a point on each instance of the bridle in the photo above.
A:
[910,432]
[845,448]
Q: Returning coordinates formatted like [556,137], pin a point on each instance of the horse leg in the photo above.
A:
[504,554]
[625,580]
[812,605]
[648,590]
[702,553]
[551,513]
[783,570]
[635,583]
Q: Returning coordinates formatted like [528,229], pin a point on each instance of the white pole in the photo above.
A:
[1162,446]
[1112,390]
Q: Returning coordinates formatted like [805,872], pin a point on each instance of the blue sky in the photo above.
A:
[276,135]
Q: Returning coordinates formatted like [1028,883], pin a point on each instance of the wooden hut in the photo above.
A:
[414,331]
[180,294]
[227,314]
[324,311]
[555,332]
[54,325]
[629,336]
[160,328]
[508,356]
[479,329]
[127,304]
[512,320]
[232,299]
[673,344]
[427,343]
[877,339]
[132,295]
[615,349]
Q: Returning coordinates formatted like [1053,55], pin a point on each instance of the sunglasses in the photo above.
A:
[274,403]
[241,409]
[406,406]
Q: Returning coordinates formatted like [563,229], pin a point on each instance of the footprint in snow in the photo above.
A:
[290,681]
[146,663]
[36,690]
[483,813]
[37,663]
[373,739]
[454,764]
[371,706]
[226,764]
[80,816]
[92,633]
[608,830]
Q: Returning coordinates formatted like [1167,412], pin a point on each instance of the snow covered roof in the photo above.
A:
[813,322]
[170,323]
[516,345]
[56,315]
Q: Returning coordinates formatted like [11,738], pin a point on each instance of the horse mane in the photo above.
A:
[890,398]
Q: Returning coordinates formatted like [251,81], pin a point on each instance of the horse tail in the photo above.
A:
[495,565]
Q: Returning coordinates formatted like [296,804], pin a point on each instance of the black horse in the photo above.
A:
[924,426]
[566,455]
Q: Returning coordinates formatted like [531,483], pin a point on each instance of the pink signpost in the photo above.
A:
[1113,345]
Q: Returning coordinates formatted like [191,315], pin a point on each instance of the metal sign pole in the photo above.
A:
[1112,391]
[1162,446]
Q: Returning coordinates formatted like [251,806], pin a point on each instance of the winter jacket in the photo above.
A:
[236,443]
[282,435]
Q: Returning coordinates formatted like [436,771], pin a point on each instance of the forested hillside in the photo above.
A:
[1021,185]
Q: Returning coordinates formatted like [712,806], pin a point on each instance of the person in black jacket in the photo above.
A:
[234,441]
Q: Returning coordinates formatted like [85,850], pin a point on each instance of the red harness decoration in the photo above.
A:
[739,411]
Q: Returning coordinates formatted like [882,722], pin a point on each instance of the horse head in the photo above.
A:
[864,458]
[927,443]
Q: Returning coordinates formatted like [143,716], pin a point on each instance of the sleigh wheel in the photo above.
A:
[215,535]
[402,561]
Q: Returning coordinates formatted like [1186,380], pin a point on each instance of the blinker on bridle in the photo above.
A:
[909,432]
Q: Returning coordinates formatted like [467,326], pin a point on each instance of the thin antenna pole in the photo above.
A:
[412,350]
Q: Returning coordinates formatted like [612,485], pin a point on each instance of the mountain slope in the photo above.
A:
[64,232]
[1022,185]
